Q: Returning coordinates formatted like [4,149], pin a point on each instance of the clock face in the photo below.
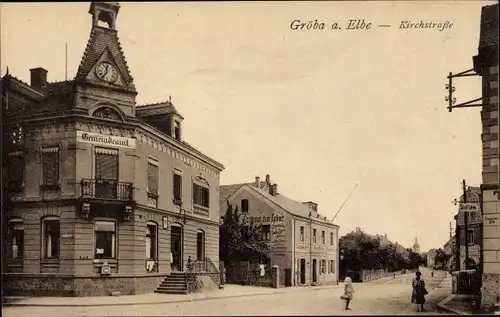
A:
[107,72]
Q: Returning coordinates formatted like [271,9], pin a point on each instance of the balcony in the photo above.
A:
[107,190]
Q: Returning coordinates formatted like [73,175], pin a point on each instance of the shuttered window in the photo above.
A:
[177,186]
[201,195]
[106,164]
[50,165]
[153,175]
[15,172]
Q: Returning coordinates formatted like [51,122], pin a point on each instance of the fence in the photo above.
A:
[246,273]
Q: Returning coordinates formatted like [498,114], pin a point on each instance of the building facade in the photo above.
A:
[103,195]
[302,241]
[470,236]
[431,258]
[486,65]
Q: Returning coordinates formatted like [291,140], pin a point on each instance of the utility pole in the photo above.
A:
[466,225]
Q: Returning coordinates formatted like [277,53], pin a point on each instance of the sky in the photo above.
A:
[318,110]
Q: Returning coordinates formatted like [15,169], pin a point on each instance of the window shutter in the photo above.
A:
[152,178]
[106,166]
[50,161]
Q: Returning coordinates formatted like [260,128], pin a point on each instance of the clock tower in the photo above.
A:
[103,78]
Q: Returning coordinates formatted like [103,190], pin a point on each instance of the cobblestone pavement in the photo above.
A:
[387,296]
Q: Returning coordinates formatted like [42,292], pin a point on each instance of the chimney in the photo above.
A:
[275,189]
[38,77]
[257,181]
[268,180]
[385,235]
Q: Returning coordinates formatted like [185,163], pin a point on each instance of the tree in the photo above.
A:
[240,241]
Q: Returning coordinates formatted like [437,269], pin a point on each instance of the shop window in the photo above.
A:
[16,239]
[50,166]
[151,241]
[201,196]
[105,239]
[51,238]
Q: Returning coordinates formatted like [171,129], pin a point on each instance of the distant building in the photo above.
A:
[449,251]
[431,258]
[303,242]
[416,246]
[486,65]
[470,238]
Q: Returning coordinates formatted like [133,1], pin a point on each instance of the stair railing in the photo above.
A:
[212,271]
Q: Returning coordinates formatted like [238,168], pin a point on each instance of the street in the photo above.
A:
[388,296]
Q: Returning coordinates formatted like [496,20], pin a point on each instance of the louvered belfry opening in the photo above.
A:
[106,173]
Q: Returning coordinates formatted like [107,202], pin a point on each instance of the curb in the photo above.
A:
[166,302]
[442,305]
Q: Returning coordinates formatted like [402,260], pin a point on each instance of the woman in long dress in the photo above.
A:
[348,290]
[419,291]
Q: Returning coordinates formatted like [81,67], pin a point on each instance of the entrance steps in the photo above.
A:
[175,283]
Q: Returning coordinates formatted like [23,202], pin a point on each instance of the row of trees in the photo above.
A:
[361,251]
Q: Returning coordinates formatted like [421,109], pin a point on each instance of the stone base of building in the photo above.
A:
[78,286]
[490,292]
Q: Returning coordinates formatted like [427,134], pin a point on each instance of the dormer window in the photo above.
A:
[177,130]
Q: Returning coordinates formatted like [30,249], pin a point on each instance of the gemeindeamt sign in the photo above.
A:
[468,207]
[105,140]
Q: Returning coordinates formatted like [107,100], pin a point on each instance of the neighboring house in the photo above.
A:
[101,191]
[472,236]
[486,66]
[431,258]
[449,250]
[303,242]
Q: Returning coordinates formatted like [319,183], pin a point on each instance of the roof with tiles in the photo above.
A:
[489,26]
[102,39]
[292,206]
[154,109]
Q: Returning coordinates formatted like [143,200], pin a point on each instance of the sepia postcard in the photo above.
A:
[253,158]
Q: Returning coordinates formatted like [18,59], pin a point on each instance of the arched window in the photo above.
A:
[51,238]
[200,245]
[107,113]
[15,243]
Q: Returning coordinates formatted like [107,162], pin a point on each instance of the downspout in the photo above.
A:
[310,247]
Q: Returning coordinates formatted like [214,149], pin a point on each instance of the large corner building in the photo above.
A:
[102,195]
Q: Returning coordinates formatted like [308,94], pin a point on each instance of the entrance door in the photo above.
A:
[314,276]
[176,247]
[302,271]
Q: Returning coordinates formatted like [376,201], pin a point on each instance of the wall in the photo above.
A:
[474,248]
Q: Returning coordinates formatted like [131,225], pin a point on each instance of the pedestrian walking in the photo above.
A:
[419,291]
[348,290]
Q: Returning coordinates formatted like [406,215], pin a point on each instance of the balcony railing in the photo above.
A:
[107,189]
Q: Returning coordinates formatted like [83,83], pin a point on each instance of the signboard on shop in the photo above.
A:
[468,207]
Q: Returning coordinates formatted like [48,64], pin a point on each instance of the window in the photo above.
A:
[177,186]
[151,241]
[105,240]
[470,236]
[106,173]
[200,245]
[153,175]
[177,130]
[314,235]
[266,232]
[16,239]
[244,205]
[201,195]
[331,238]
[15,176]
[50,166]
[323,237]
[302,233]
[51,238]
[322,263]
[331,267]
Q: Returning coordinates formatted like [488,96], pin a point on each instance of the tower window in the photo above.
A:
[177,130]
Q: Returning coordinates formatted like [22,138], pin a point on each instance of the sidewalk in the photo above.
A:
[229,291]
